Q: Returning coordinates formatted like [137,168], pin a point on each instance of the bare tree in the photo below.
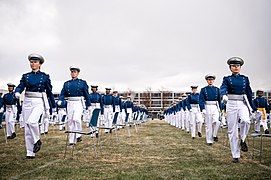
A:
[146,97]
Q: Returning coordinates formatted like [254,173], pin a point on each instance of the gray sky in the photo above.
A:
[135,44]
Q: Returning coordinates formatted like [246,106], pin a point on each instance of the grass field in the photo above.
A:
[157,151]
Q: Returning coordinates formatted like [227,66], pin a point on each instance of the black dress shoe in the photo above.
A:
[256,131]
[46,132]
[215,139]
[30,157]
[79,139]
[9,137]
[235,160]
[193,138]
[266,131]
[199,134]
[71,144]
[37,146]
[209,144]
[243,146]
[13,135]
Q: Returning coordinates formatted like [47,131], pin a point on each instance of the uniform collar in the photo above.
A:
[74,79]
[35,72]
[236,75]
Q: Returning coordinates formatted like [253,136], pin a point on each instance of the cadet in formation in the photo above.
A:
[95,103]
[1,110]
[128,106]
[237,93]
[10,107]
[210,105]
[76,92]
[262,109]
[108,110]
[195,113]
[38,87]
[118,107]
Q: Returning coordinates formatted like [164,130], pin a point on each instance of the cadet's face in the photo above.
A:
[235,69]
[74,74]
[94,90]
[107,91]
[10,89]
[35,65]
[260,94]
[194,90]
[210,82]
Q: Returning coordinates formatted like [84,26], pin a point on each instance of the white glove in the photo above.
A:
[190,110]
[46,114]
[225,99]
[85,111]
[2,110]
[59,103]
[17,95]
[204,112]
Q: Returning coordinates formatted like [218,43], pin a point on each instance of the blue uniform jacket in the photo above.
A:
[236,84]
[108,99]
[75,88]
[96,98]
[261,103]
[36,82]
[117,101]
[128,104]
[192,99]
[209,93]
[184,104]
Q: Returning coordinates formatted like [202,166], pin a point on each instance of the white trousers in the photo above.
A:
[260,121]
[237,110]
[74,113]
[10,120]
[31,111]
[195,118]
[130,117]
[108,117]
[119,119]
[44,127]
[62,117]
[186,120]
[212,122]
[182,119]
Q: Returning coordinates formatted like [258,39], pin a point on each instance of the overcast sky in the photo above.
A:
[136,44]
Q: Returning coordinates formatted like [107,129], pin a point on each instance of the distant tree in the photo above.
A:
[146,97]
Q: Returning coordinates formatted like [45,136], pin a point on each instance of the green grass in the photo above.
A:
[157,151]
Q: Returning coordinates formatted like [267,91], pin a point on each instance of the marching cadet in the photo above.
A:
[1,110]
[195,113]
[236,92]
[76,92]
[10,108]
[210,106]
[262,109]
[95,103]
[123,114]
[38,88]
[109,109]
[118,106]
[128,106]
[62,115]
[180,107]
[185,113]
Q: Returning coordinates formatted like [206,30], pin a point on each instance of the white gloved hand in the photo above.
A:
[59,103]
[225,99]
[2,110]
[17,95]
[190,110]
[204,112]
[85,111]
